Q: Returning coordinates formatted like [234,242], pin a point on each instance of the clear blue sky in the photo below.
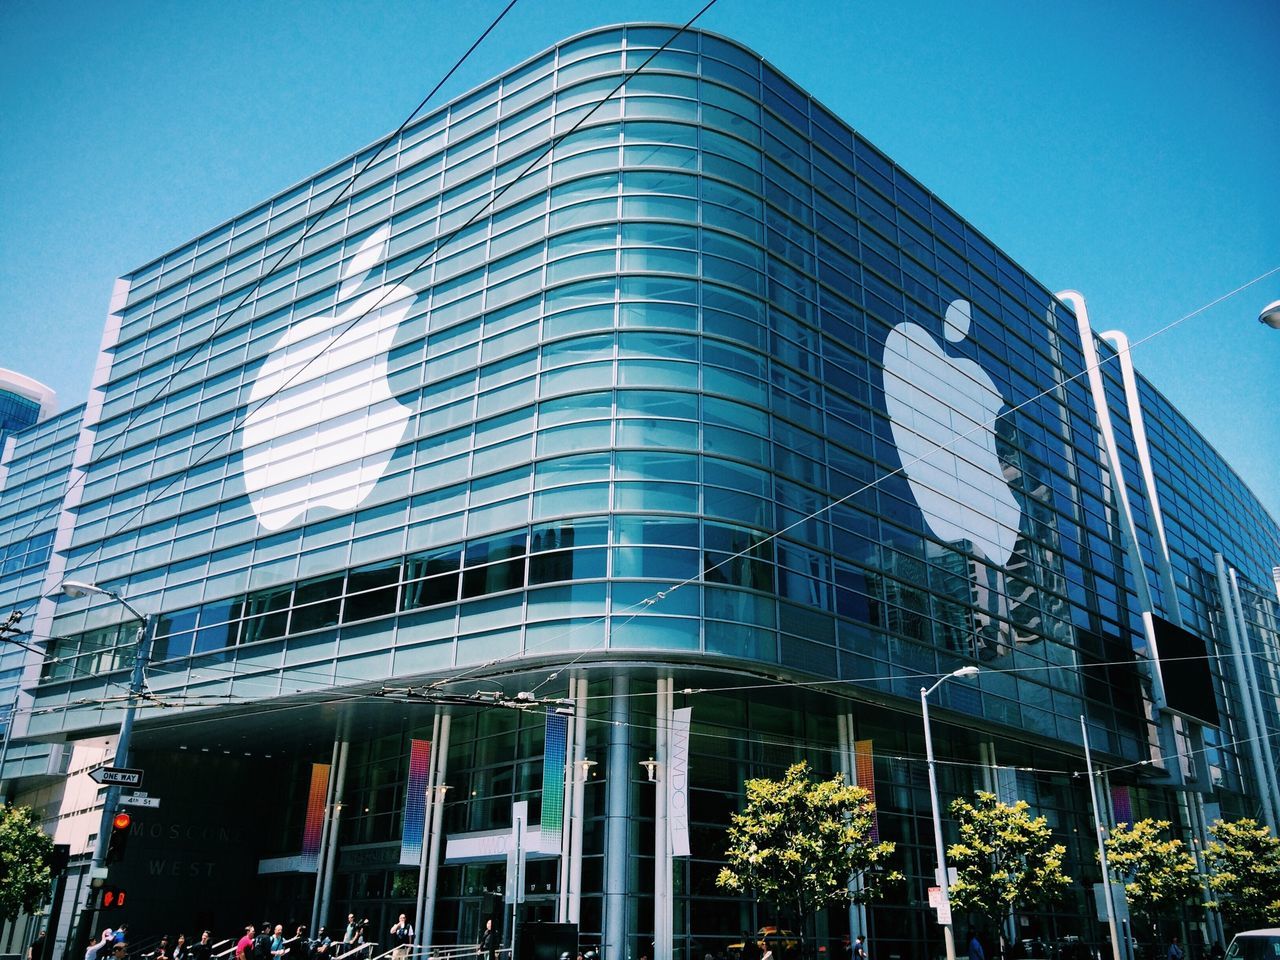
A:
[1127,150]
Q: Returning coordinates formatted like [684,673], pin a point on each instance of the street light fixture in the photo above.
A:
[142,652]
[1270,315]
[947,934]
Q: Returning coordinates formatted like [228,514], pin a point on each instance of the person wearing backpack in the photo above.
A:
[262,943]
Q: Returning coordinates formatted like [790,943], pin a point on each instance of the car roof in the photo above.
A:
[1264,932]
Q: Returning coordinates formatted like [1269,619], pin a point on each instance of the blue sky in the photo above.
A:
[1126,150]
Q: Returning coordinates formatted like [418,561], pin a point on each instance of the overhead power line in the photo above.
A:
[268,273]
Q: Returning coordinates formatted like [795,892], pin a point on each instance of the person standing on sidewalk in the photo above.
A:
[490,941]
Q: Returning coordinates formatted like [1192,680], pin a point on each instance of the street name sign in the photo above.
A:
[139,800]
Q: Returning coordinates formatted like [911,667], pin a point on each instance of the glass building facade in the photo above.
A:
[33,474]
[636,378]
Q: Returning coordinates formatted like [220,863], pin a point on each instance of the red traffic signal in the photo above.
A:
[113,898]
[119,838]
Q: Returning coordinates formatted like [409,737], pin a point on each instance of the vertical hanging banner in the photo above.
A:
[678,782]
[314,825]
[1122,804]
[553,772]
[415,803]
[864,772]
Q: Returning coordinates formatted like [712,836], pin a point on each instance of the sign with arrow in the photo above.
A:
[117,776]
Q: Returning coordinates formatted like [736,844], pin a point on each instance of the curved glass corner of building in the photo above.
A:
[636,378]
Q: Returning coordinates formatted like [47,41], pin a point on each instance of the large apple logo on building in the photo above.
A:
[327,436]
[943,410]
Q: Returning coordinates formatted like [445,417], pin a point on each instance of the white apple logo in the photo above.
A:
[327,437]
[942,410]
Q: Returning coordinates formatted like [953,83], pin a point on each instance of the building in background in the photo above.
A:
[456,492]
[23,402]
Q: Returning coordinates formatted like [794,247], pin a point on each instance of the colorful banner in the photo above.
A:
[1122,804]
[314,825]
[415,803]
[678,782]
[864,773]
[553,758]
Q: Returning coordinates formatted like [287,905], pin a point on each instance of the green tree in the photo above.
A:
[1006,859]
[798,841]
[1159,873]
[1243,861]
[25,855]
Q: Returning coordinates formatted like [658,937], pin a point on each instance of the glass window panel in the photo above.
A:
[508,575]
[562,534]
[655,563]
[567,565]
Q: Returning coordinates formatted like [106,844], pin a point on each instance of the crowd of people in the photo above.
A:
[266,941]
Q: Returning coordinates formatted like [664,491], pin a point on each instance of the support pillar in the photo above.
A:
[441,750]
[429,803]
[331,855]
[566,824]
[1272,784]
[1232,635]
[578,772]
[617,822]
[662,876]
[325,835]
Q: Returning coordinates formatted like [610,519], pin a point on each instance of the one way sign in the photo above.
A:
[117,776]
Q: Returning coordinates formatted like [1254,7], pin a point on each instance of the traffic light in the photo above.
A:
[113,898]
[119,838]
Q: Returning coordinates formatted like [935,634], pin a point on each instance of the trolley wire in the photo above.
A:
[661,595]
[309,223]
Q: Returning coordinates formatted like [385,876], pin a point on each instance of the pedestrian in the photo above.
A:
[975,947]
[161,952]
[278,949]
[750,949]
[180,949]
[322,945]
[860,948]
[244,946]
[36,950]
[202,949]
[101,949]
[262,943]
[490,942]
[352,935]
[1175,949]
[401,938]
[121,935]
[299,945]
[119,950]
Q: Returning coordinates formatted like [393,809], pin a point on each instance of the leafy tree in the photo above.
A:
[799,840]
[1006,859]
[26,852]
[1243,861]
[1158,873]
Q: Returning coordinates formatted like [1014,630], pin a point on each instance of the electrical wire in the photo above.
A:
[309,223]
[425,262]
[663,594]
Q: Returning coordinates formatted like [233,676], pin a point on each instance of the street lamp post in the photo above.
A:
[948,935]
[142,653]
